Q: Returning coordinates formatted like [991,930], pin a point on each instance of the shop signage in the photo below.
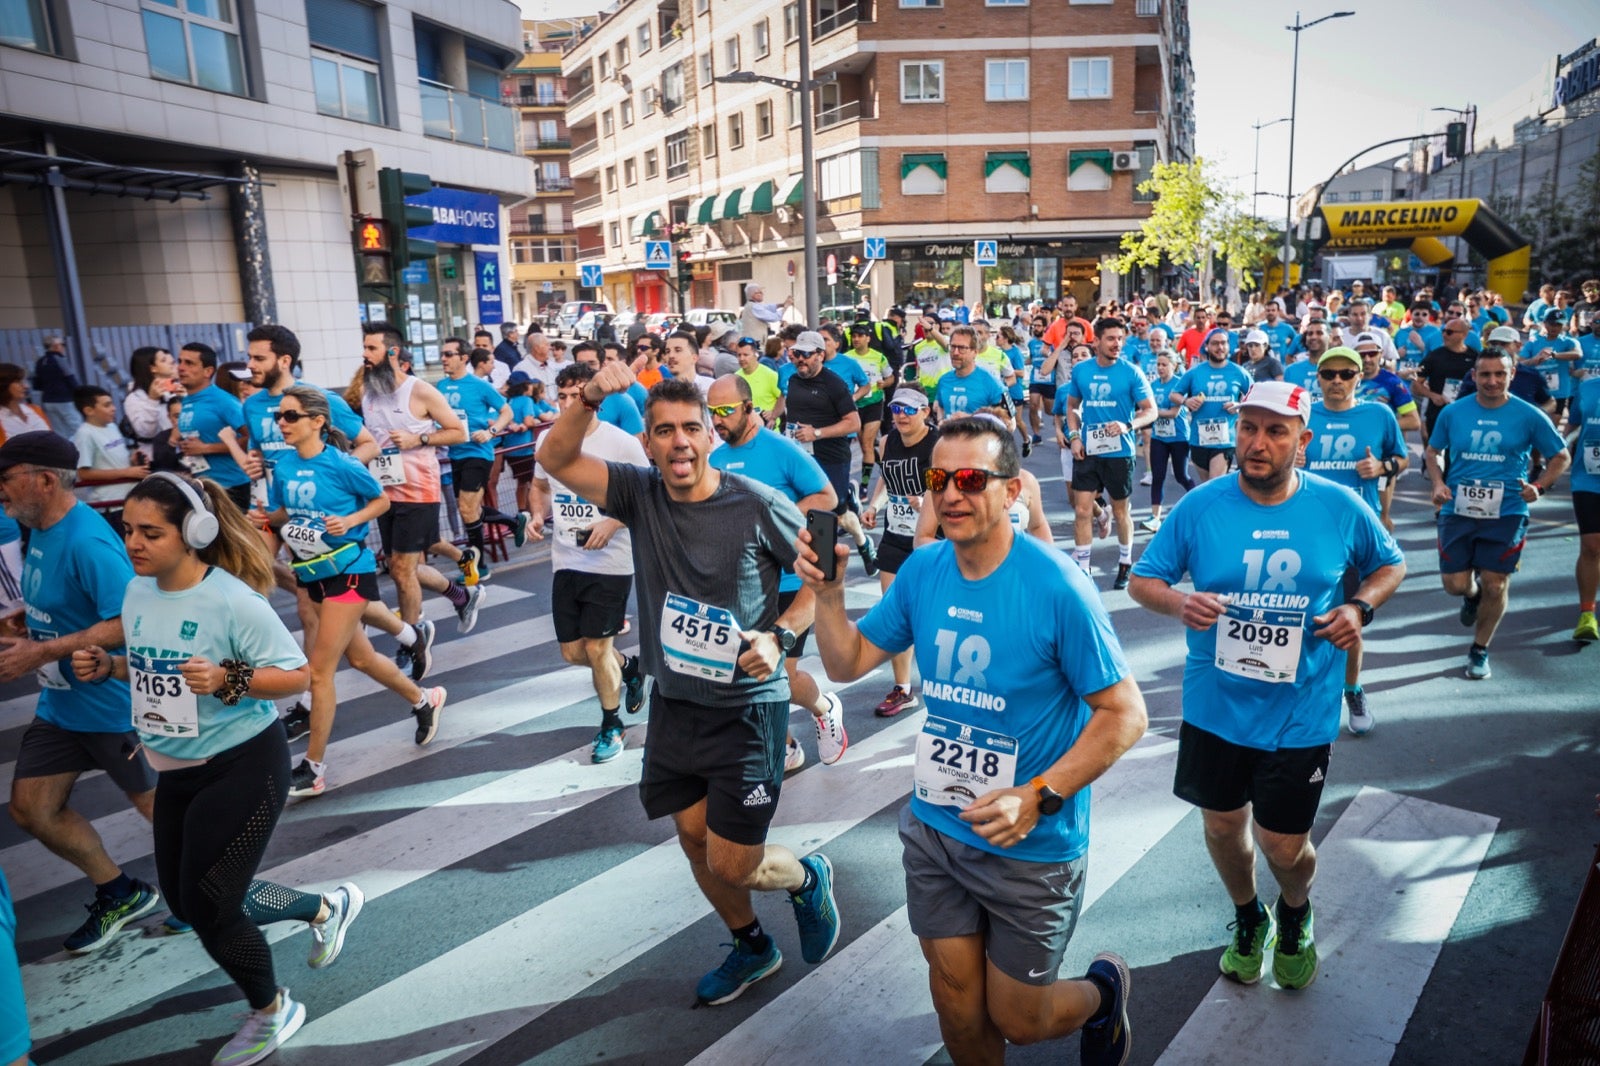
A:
[1580,77]
[490,308]
[459,217]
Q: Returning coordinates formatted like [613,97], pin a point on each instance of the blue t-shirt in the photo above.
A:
[620,410]
[205,414]
[261,423]
[1491,446]
[220,618]
[10,532]
[1303,373]
[14,1039]
[1283,339]
[1012,656]
[329,483]
[1341,439]
[1220,386]
[73,576]
[519,442]
[1557,373]
[1137,351]
[1589,344]
[1283,566]
[971,394]
[1107,394]
[478,404]
[1413,344]
[1586,452]
[1038,352]
[639,394]
[778,463]
[1019,363]
[1174,430]
[786,373]
[852,373]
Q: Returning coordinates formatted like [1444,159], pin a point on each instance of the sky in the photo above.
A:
[1363,79]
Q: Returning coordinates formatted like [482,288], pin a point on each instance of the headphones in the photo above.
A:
[200,527]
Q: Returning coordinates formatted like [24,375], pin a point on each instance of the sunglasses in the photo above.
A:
[726,410]
[291,417]
[1342,375]
[903,409]
[968,479]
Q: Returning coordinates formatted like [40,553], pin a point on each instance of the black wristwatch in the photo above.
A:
[1050,801]
[786,638]
[1365,608]
[423,439]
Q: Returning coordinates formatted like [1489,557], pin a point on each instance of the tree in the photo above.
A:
[1196,220]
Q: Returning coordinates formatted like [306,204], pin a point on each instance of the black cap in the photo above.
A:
[900,311]
[39,448]
[861,327]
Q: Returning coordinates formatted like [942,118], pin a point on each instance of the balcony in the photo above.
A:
[540,228]
[832,16]
[545,98]
[550,144]
[580,94]
[452,115]
[586,148]
[554,184]
[845,112]
[586,203]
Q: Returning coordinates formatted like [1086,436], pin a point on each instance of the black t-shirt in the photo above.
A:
[821,402]
[902,469]
[1442,365]
[1527,384]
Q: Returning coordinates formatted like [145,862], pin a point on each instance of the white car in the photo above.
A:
[700,316]
[567,320]
[586,327]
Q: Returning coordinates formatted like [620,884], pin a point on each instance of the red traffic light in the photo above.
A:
[372,235]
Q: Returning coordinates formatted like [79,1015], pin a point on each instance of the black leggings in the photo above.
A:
[212,824]
[1160,452]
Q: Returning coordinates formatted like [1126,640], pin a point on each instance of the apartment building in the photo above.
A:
[936,124]
[184,162]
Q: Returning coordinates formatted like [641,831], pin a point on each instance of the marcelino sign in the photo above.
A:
[1443,218]
[1418,225]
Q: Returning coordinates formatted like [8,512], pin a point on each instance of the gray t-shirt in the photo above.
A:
[727,551]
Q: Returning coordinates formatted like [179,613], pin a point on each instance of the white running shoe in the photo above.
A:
[794,756]
[327,936]
[1147,479]
[262,1034]
[831,737]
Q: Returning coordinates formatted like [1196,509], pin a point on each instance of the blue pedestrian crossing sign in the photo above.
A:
[987,253]
[591,275]
[658,255]
[875,248]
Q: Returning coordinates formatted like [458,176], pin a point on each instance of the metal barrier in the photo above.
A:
[110,347]
[1568,1026]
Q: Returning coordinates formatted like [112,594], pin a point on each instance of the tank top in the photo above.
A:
[384,415]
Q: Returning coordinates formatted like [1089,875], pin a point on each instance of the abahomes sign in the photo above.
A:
[1577,75]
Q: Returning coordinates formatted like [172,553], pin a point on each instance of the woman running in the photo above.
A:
[1169,436]
[321,502]
[206,656]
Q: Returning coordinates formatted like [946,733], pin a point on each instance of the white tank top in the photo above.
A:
[384,415]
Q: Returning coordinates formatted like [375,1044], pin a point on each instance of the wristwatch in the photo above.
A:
[786,638]
[1365,608]
[424,439]
[1050,801]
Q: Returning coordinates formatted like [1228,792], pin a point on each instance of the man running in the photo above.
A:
[820,415]
[1585,416]
[966,390]
[209,425]
[1379,384]
[1267,551]
[484,415]
[1212,391]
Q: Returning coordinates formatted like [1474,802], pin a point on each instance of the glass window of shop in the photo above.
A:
[928,281]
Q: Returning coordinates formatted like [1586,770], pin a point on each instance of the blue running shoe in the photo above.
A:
[741,969]
[108,916]
[633,683]
[1108,1043]
[607,745]
[817,912]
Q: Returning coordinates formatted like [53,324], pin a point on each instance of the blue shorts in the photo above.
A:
[1492,544]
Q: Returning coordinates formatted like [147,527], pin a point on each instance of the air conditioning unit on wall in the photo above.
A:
[1125,160]
[786,214]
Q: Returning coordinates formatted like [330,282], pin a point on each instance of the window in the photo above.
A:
[1147,163]
[791,22]
[652,164]
[346,87]
[630,172]
[793,99]
[548,131]
[1007,172]
[839,176]
[550,176]
[731,52]
[1078,2]
[23,24]
[921,3]
[608,125]
[611,179]
[1331,198]
[736,130]
[622,53]
[707,68]
[764,120]
[625,112]
[603,63]
[616,235]
[641,38]
[678,154]
[647,101]
[1089,78]
[556,251]
[708,140]
[1005,3]
[672,88]
[1089,170]
[1006,79]
[195,42]
[763,39]
[922,82]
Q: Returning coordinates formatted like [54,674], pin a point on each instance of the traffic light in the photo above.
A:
[851,271]
[374,249]
[1455,140]
[394,185]
[685,269]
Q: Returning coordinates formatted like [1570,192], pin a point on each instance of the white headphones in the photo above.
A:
[200,526]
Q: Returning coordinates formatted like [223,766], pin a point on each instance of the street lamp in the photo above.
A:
[1255,175]
[1294,91]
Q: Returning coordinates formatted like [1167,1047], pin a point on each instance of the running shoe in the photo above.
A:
[467,613]
[428,716]
[1247,954]
[817,912]
[468,563]
[484,573]
[262,1034]
[1588,630]
[1102,523]
[402,659]
[1147,479]
[632,684]
[1151,524]
[1123,570]
[1469,607]
[1027,445]
[107,917]
[1361,721]
[897,700]
[741,969]
[1294,954]
[1478,664]
[304,781]
[519,528]
[297,721]
[831,737]
[172,925]
[794,756]
[607,745]
[869,556]
[327,936]
[1038,439]
[422,650]
[1108,1042]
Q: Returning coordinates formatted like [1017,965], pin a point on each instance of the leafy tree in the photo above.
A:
[1197,220]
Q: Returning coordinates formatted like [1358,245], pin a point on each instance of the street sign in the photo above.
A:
[591,275]
[1415,265]
[547,286]
[987,253]
[658,255]
[875,248]
[832,265]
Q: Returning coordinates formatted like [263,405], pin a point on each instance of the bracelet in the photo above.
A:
[592,405]
[236,682]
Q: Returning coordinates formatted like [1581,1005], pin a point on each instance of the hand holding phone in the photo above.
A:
[823,526]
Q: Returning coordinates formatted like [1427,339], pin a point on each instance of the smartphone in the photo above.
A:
[582,536]
[824,529]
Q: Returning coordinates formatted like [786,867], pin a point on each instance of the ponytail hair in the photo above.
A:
[238,548]
[314,402]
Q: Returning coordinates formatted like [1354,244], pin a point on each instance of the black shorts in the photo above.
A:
[470,475]
[730,757]
[240,495]
[588,606]
[893,550]
[1047,391]
[800,638]
[363,585]
[872,412]
[47,750]
[1201,457]
[844,487]
[1111,473]
[1586,505]
[1284,786]
[521,467]
[409,528]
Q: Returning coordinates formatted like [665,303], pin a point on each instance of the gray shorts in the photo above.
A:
[47,750]
[1026,911]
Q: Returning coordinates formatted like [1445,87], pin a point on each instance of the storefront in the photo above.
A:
[650,293]
[460,288]
[1028,270]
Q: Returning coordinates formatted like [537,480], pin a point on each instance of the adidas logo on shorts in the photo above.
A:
[758,797]
[1316,776]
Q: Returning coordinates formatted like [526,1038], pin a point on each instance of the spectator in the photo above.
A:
[152,404]
[506,351]
[17,415]
[103,458]
[757,318]
[55,381]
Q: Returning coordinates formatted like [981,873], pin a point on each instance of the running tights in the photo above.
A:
[1160,453]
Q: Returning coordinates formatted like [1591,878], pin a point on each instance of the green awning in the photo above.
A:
[647,225]
[727,205]
[792,191]
[1018,160]
[700,210]
[757,199]
[1100,157]
[934,161]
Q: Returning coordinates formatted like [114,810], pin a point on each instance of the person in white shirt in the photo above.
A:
[682,360]
[540,363]
[497,373]
[757,318]
[103,459]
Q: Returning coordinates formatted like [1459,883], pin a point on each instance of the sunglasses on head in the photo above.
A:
[726,410]
[968,479]
[903,409]
[290,417]
[1342,375]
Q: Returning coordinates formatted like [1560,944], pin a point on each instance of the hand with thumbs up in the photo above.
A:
[1368,467]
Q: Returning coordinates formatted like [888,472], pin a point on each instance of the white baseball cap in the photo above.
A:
[1279,397]
[809,341]
[1504,335]
[1257,336]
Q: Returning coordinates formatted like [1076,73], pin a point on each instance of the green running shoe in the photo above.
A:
[1247,954]
[1294,954]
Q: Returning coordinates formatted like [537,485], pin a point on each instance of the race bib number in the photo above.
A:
[1214,433]
[1101,440]
[792,430]
[388,469]
[1452,389]
[1552,379]
[958,763]
[163,704]
[1259,644]
[196,464]
[572,514]
[699,640]
[258,494]
[304,536]
[1041,377]
[902,516]
[1591,457]
[1480,499]
[1166,427]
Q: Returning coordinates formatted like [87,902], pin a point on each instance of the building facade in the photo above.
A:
[936,126]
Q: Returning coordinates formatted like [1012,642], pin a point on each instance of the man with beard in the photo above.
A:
[1268,620]
[1443,371]
[1303,371]
[1212,390]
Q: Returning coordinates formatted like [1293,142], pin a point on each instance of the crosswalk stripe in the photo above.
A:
[873,995]
[1391,878]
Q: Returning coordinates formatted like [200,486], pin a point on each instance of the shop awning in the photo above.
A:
[727,205]
[757,199]
[647,225]
[20,167]
[1100,157]
[1017,160]
[791,190]
[700,210]
[934,161]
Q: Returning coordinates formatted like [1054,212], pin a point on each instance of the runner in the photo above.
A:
[485,415]
[209,425]
[875,365]
[591,559]
[966,390]
[1266,551]
[1041,378]
[206,656]
[994,858]
[1169,437]
[706,545]
[1379,384]
[1487,438]
[1443,371]
[1586,503]
[1212,391]
[820,415]
[1553,353]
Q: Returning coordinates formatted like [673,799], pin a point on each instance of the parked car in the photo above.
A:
[661,323]
[588,327]
[700,316]
[574,310]
[623,322]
